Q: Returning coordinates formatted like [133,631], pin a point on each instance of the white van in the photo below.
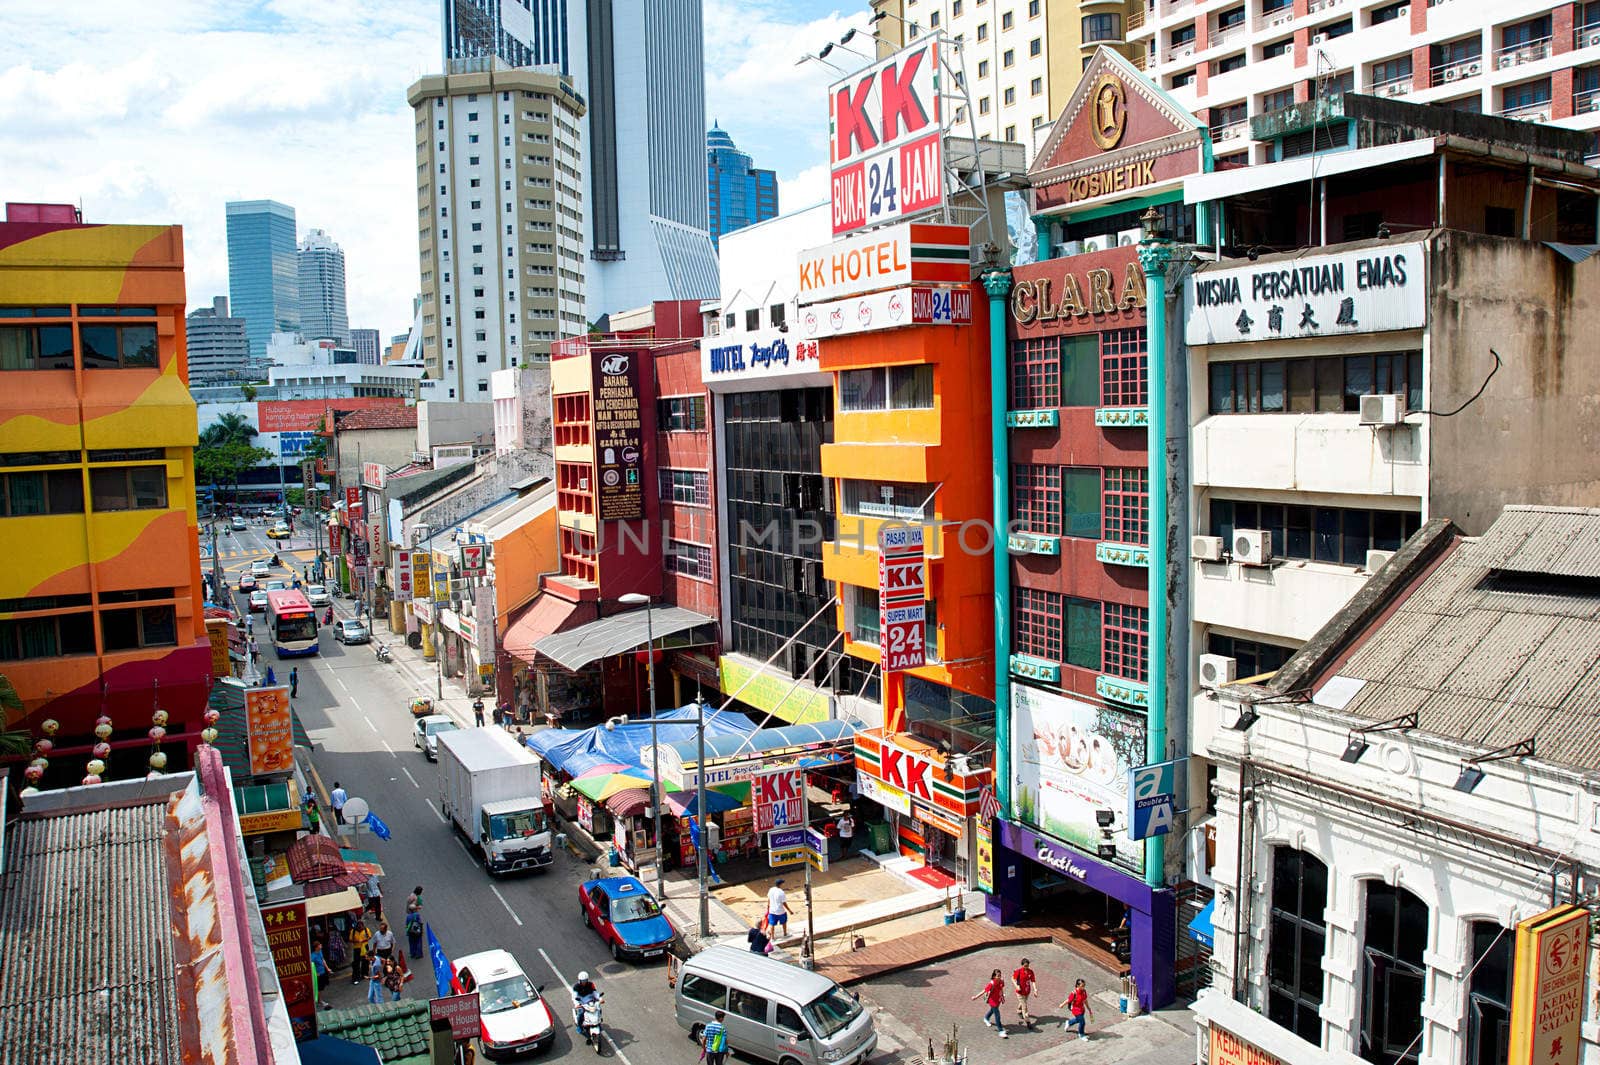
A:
[774,1011]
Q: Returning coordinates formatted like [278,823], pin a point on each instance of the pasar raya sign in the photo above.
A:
[902,610]
[886,151]
[777,798]
[1549,987]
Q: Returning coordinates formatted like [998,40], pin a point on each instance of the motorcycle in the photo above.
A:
[382,651]
[588,1014]
[276,561]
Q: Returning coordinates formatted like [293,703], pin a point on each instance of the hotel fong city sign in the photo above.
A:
[1098,291]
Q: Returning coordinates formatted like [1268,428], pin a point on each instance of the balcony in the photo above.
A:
[1396,86]
[1135,18]
[1446,73]
[1230,131]
[1586,36]
[1232,34]
[1586,101]
[1513,55]
[1537,111]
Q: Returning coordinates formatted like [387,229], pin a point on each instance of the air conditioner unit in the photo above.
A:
[1252,547]
[1506,61]
[1396,89]
[1217,670]
[1281,19]
[1206,548]
[1319,38]
[1452,74]
[1594,105]
[1405,11]
[1473,68]
[1594,39]
[1072,247]
[1376,559]
[1095,244]
[1128,238]
[1383,409]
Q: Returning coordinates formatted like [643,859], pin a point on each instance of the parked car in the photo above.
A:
[247,582]
[627,917]
[513,1015]
[261,567]
[278,532]
[425,733]
[258,601]
[238,523]
[317,595]
[350,630]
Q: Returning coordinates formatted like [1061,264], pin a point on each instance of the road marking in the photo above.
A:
[388,748]
[370,725]
[465,848]
[506,904]
[340,683]
[568,984]
[413,780]
[438,813]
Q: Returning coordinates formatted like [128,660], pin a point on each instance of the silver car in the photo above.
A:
[350,630]
[425,733]
[317,595]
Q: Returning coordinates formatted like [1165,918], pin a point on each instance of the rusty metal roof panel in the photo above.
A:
[1444,649]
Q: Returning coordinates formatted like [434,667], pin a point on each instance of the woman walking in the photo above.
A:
[1077,1006]
[994,993]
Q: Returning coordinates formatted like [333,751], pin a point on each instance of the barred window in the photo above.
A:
[1036,374]
[1037,620]
[685,486]
[1123,368]
[1126,504]
[1036,498]
[1127,640]
[689,559]
[681,414]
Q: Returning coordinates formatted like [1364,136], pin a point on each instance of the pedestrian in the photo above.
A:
[847,833]
[383,942]
[778,908]
[414,900]
[1024,980]
[394,979]
[714,1040]
[375,975]
[272,678]
[294,682]
[477,712]
[374,896]
[759,943]
[327,617]
[414,933]
[313,815]
[337,800]
[319,973]
[994,993]
[1079,1012]
[358,939]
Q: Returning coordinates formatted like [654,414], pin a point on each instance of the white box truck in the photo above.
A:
[489,789]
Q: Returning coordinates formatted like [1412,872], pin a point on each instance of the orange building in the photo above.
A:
[102,594]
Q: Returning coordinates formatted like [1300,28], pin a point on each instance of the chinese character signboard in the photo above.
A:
[777,798]
[474,559]
[373,475]
[1374,290]
[308,475]
[901,608]
[922,305]
[618,436]
[269,730]
[421,576]
[289,941]
[217,634]
[402,574]
[886,148]
[1548,991]
[1152,799]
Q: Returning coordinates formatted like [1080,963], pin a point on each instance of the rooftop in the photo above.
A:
[398,1031]
[378,418]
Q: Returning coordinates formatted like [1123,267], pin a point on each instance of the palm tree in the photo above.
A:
[229,428]
[12,743]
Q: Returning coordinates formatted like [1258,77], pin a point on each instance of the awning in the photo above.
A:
[1200,928]
[617,634]
[326,1050]
[628,803]
[547,614]
[767,741]
[342,901]
[1220,184]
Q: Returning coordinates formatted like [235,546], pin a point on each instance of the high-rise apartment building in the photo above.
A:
[500,215]
[1019,60]
[322,298]
[263,273]
[365,342]
[639,67]
[1535,61]
[739,194]
[218,347]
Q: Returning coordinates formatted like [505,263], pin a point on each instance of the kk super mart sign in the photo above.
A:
[902,610]
[886,139]
[897,777]
[912,253]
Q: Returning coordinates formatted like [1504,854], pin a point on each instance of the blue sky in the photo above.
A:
[161,112]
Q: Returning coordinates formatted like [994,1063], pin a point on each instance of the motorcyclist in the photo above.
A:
[582,992]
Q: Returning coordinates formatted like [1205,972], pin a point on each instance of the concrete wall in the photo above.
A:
[454,423]
[355,447]
[1532,436]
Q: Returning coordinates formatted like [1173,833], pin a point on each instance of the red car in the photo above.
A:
[627,917]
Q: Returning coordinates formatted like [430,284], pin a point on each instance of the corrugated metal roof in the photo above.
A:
[1563,541]
[616,634]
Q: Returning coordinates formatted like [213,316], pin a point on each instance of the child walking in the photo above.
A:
[994,993]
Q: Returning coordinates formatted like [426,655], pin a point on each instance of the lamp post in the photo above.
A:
[638,599]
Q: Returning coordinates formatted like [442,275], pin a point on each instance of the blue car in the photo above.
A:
[627,917]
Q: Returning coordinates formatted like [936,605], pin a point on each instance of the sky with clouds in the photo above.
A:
[163,110]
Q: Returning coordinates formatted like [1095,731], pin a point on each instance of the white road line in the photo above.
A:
[413,780]
[464,847]
[370,725]
[438,813]
[340,683]
[567,984]
[506,904]
[388,748]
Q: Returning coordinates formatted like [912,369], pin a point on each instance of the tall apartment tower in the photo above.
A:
[639,67]
[217,345]
[739,194]
[322,298]
[1536,61]
[1020,59]
[263,273]
[500,212]
[366,342]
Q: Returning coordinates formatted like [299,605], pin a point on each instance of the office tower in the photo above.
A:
[263,274]
[1538,62]
[738,193]
[639,66]
[322,302]
[1019,61]
[500,227]
[366,342]
[218,347]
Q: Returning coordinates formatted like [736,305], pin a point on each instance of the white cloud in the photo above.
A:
[807,188]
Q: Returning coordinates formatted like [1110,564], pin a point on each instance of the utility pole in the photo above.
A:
[700,815]
[808,945]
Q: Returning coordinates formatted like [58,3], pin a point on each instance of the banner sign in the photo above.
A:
[902,609]
[373,475]
[461,1011]
[402,574]
[618,436]
[892,257]
[1152,799]
[288,938]
[886,151]
[885,795]
[269,729]
[352,499]
[777,798]
[421,576]
[1225,1048]
[888,310]
[308,474]
[217,635]
[1373,290]
[474,559]
[1548,987]
[985,849]
[758,356]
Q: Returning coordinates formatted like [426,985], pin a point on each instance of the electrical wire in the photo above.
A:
[1474,397]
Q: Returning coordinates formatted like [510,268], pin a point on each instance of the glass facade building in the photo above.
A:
[740,195]
[263,270]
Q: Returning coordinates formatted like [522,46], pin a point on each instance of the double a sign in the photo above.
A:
[1152,799]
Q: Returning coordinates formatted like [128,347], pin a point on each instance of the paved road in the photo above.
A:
[356,712]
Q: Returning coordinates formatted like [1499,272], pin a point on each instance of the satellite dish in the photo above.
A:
[355,810]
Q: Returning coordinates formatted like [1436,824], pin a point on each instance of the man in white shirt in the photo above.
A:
[336,799]
[778,909]
[847,834]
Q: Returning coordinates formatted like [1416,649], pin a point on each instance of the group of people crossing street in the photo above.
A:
[1025,981]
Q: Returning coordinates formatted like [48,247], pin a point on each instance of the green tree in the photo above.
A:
[12,743]
[224,463]
[248,391]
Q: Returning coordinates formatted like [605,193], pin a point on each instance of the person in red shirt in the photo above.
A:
[994,993]
[1024,980]
[1077,1005]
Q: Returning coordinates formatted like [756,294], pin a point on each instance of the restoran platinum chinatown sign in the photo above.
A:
[1371,290]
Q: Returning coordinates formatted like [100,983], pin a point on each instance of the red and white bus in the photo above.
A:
[291,623]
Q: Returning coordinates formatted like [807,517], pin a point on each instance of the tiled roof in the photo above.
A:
[398,1031]
[378,418]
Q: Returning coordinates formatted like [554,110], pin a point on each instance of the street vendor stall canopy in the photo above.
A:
[617,634]
[575,751]
[764,743]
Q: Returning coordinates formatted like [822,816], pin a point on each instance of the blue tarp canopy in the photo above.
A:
[576,750]
[325,1050]
[748,745]
[1200,929]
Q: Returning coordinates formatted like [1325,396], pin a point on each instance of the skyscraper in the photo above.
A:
[640,68]
[739,194]
[263,275]
[366,342]
[218,348]
[322,305]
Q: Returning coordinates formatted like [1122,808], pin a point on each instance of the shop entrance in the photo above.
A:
[1079,910]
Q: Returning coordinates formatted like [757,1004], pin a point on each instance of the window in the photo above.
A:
[1101,28]
[1528,95]
[1231,18]
[1180,80]
[703,990]
[1392,975]
[148,626]
[955,9]
[1277,48]
[472,116]
[1523,33]
[692,487]
[1125,505]
[1033,8]
[983,105]
[1123,368]
[1036,46]
[887,388]
[1036,617]
[1080,501]
[112,346]
[1232,62]
[1183,35]
[1010,97]
[1297,937]
[784,1018]
[689,559]
[1329,383]
[678,414]
[1277,101]
[129,488]
[1035,88]
[42,492]
[1392,71]
[865,619]
[1253,658]
[1011,133]
[1127,637]
[1036,498]
[36,347]
[1387,13]
[983,68]
[983,31]
[1008,58]
[1489,995]
[888,499]
[1083,633]
[1337,535]
[933,18]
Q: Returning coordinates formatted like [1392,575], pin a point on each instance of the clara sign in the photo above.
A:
[886,148]
[1373,290]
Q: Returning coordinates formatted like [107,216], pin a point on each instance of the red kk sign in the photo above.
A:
[778,799]
[887,148]
[906,771]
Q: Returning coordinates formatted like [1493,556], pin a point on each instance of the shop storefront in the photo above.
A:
[929,800]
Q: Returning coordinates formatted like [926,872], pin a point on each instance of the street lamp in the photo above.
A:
[638,599]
